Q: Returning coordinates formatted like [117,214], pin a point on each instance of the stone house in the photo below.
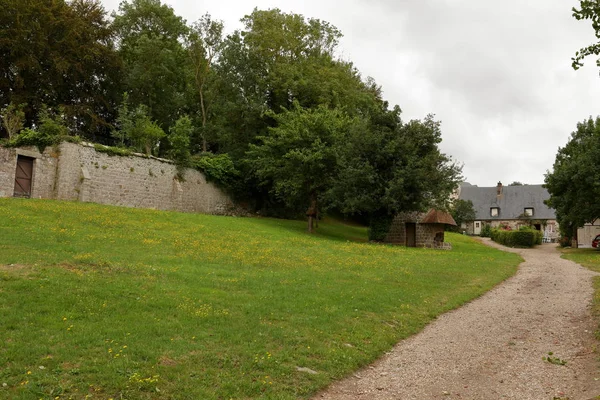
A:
[418,229]
[511,206]
[79,172]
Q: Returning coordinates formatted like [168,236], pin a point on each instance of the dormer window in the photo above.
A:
[494,211]
[529,211]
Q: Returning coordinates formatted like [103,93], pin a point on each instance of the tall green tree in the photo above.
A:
[204,45]
[297,161]
[136,128]
[278,59]
[59,53]
[462,211]
[179,138]
[387,166]
[150,38]
[574,183]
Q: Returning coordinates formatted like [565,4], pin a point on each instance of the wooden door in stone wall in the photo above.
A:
[411,234]
[23,176]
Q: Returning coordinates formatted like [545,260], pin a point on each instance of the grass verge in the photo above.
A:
[108,303]
[589,258]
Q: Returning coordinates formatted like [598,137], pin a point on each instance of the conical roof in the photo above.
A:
[438,217]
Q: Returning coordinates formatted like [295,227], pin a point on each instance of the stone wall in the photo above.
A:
[79,172]
[44,171]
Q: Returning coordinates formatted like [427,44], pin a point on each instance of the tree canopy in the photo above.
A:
[574,183]
[462,211]
[59,54]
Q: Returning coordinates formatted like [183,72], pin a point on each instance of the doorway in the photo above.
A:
[411,234]
[477,228]
[23,177]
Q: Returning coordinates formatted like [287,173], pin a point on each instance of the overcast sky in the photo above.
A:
[497,74]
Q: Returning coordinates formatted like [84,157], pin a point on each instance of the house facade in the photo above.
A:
[510,206]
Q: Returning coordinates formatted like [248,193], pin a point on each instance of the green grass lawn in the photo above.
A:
[113,303]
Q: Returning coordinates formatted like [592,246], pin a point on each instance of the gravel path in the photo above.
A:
[492,348]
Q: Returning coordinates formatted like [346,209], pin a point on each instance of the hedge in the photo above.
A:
[521,238]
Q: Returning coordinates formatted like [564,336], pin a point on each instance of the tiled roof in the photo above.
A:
[511,203]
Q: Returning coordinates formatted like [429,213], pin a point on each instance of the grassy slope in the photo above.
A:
[116,302]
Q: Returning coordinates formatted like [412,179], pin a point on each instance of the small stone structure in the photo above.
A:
[79,172]
[417,229]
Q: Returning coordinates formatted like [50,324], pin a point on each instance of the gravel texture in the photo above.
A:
[494,347]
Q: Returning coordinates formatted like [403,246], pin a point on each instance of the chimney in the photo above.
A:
[499,188]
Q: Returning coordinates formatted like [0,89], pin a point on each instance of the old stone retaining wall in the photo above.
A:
[79,172]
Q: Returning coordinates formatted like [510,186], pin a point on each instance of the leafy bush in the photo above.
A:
[486,231]
[179,138]
[564,241]
[13,119]
[525,237]
[137,128]
[51,131]
[218,168]
[379,226]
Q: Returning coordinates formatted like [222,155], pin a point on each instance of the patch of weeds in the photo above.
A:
[112,151]
[554,360]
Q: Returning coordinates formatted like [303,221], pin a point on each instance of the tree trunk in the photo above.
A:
[204,146]
[311,212]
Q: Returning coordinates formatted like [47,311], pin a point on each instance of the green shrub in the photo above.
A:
[486,231]
[524,237]
[179,138]
[564,241]
[137,128]
[13,119]
[379,226]
[30,137]
[51,130]
[218,168]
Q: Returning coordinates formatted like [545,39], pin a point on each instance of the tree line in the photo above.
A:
[269,111]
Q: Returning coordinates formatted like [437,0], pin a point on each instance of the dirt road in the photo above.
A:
[497,346]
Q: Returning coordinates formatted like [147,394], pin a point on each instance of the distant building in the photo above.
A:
[510,206]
